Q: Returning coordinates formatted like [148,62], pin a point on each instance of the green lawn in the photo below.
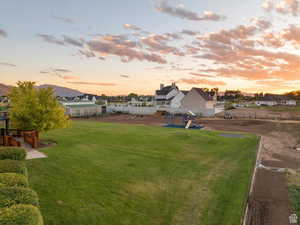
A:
[295,198]
[117,174]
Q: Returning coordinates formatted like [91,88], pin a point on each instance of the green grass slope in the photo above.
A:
[117,174]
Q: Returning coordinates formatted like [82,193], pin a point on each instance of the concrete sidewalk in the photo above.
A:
[31,152]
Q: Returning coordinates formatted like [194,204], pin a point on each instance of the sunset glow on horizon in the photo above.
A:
[113,47]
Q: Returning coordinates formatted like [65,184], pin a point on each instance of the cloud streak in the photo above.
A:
[64,19]
[60,73]
[65,40]
[202,82]
[91,83]
[50,39]
[7,64]
[131,27]
[180,11]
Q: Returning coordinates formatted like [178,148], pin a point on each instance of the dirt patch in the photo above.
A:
[269,203]
[250,126]
[260,113]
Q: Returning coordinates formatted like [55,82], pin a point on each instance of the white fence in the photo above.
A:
[132,109]
[152,110]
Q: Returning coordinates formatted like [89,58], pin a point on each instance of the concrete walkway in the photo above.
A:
[31,152]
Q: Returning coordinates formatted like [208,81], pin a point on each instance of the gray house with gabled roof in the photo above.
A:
[200,101]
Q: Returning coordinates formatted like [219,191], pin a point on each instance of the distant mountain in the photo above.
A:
[62,91]
[4,89]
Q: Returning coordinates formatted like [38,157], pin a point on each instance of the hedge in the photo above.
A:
[21,215]
[13,166]
[13,180]
[17,195]
[13,153]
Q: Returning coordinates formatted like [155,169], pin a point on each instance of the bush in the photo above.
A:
[17,195]
[21,215]
[13,166]
[13,180]
[13,153]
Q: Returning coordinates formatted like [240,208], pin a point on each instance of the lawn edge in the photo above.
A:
[250,189]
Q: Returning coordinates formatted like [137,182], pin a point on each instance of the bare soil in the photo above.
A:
[269,202]
[261,113]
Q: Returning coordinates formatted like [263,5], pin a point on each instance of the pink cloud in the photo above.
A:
[131,27]
[291,7]
[157,43]
[267,5]
[91,83]
[120,46]
[201,82]
[201,75]
[70,77]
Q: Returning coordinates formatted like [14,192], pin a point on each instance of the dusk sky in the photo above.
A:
[123,46]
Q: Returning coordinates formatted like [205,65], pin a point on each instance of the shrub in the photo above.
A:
[13,180]
[13,166]
[21,215]
[13,153]
[17,195]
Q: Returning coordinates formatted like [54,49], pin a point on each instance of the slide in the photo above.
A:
[188,124]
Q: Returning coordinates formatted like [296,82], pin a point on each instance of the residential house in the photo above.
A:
[272,100]
[141,101]
[165,94]
[83,110]
[200,101]
[176,101]
[82,107]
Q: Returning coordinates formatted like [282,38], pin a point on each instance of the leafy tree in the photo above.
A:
[233,95]
[132,95]
[294,94]
[35,109]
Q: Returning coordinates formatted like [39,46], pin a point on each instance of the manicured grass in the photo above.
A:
[295,197]
[117,174]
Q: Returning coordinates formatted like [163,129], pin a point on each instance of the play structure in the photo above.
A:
[187,121]
[15,137]
[227,115]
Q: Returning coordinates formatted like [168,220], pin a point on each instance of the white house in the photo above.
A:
[165,94]
[82,108]
[272,100]
[200,101]
[290,102]
[141,101]
[176,101]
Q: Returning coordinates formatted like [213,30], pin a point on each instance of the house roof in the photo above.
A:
[165,90]
[207,95]
[81,105]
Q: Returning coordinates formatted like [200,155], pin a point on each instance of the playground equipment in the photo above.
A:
[227,115]
[188,121]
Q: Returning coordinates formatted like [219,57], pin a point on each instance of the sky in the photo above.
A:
[122,46]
